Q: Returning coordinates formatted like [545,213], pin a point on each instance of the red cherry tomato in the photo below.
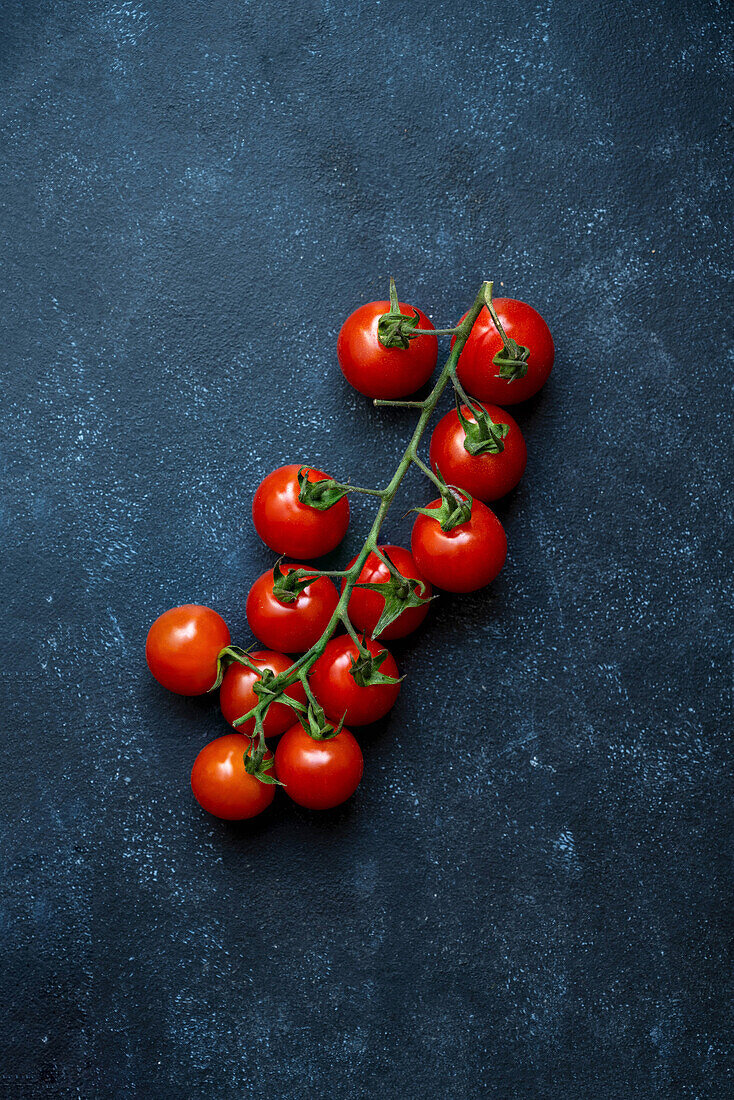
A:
[318,774]
[236,696]
[182,648]
[222,786]
[465,558]
[290,627]
[290,527]
[478,374]
[377,371]
[366,606]
[486,476]
[338,692]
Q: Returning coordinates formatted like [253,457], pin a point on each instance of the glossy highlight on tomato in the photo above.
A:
[377,371]
[479,375]
[182,648]
[318,774]
[486,476]
[338,692]
[365,606]
[221,784]
[290,527]
[290,627]
[236,696]
[465,558]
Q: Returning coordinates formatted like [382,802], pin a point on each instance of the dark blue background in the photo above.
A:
[527,896]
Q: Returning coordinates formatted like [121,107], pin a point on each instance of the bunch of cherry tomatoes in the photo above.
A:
[387,351]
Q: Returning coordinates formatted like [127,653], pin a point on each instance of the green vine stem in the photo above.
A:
[300,667]
[380,402]
[429,473]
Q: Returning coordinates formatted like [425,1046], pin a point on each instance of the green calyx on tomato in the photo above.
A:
[230,655]
[288,586]
[317,725]
[319,494]
[482,435]
[514,366]
[396,329]
[258,763]
[455,507]
[512,359]
[365,669]
[398,593]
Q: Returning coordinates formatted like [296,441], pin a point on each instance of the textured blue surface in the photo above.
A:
[193,197]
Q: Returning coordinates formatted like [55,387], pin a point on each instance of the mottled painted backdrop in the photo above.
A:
[527,898]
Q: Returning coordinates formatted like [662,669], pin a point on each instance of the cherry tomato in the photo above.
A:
[318,774]
[290,527]
[478,374]
[290,627]
[486,476]
[182,648]
[375,370]
[236,696]
[222,786]
[465,558]
[366,606]
[338,692]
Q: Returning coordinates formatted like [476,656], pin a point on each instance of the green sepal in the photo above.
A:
[365,670]
[257,765]
[230,655]
[481,436]
[399,593]
[512,366]
[396,330]
[455,507]
[395,601]
[512,357]
[317,725]
[319,494]
[287,587]
[262,689]
[452,512]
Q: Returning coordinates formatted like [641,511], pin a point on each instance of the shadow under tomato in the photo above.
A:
[528,409]
[508,505]
[252,828]
[327,821]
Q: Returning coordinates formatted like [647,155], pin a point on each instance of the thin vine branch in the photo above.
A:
[380,402]
[299,669]
[427,471]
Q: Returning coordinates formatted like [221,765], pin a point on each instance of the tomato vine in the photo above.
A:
[458,544]
[301,667]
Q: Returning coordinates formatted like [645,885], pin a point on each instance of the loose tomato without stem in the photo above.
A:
[236,694]
[486,476]
[318,774]
[377,371]
[222,785]
[339,693]
[366,606]
[289,526]
[478,373]
[291,627]
[182,648]
[465,558]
